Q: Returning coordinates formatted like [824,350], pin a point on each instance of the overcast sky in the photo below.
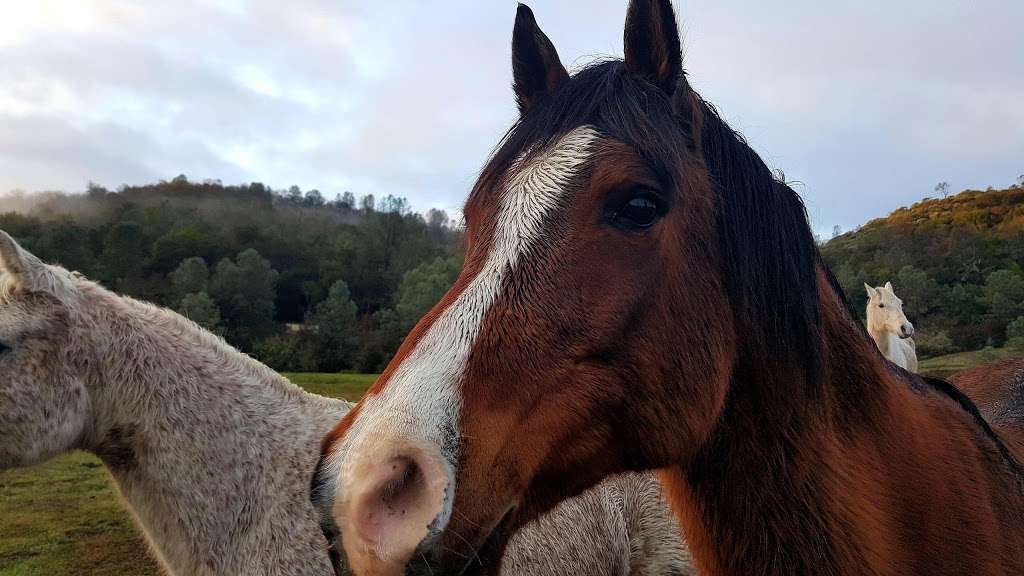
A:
[866,104]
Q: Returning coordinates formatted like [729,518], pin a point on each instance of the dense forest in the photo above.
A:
[956,262]
[307,284]
[298,281]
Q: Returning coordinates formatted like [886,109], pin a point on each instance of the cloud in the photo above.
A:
[867,104]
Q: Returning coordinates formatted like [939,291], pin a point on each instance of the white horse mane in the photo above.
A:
[53,280]
[177,326]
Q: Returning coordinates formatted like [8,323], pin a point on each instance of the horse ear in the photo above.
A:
[652,44]
[871,291]
[888,286]
[28,273]
[15,260]
[536,68]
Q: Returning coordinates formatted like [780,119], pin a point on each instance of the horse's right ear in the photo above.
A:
[653,51]
[14,260]
[652,47]
[21,270]
[871,290]
[536,68]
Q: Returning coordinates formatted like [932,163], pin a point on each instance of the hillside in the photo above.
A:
[301,282]
[310,284]
[956,262]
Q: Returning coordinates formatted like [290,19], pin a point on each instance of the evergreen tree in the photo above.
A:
[202,310]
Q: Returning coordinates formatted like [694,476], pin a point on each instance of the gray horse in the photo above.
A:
[214,452]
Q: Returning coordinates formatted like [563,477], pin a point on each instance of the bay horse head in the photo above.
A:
[628,259]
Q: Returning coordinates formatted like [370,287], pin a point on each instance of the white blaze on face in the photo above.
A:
[419,406]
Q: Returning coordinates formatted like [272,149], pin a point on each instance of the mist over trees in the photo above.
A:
[310,284]
[299,281]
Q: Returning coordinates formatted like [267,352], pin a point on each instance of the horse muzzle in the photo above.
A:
[906,330]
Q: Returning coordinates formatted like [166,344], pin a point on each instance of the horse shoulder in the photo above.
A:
[655,542]
[623,526]
[997,389]
[582,535]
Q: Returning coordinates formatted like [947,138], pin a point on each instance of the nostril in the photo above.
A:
[398,491]
[389,505]
[394,505]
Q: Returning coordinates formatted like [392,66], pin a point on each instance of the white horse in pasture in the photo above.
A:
[889,327]
[214,452]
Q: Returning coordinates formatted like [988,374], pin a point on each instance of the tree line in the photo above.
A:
[301,282]
[309,284]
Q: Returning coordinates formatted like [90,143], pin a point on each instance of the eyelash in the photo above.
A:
[638,212]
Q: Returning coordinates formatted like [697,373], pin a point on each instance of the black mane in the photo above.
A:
[603,95]
[768,252]
[769,257]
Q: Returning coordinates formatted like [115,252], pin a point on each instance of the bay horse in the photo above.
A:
[214,453]
[997,388]
[640,292]
[889,328]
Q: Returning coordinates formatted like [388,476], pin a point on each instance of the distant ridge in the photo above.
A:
[997,211]
[956,261]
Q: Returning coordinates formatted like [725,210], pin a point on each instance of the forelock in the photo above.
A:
[608,99]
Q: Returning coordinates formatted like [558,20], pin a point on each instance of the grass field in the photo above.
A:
[64,517]
[945,365]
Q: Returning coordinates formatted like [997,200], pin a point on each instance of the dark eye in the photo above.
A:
[881,305]
[639,212]
[4,348]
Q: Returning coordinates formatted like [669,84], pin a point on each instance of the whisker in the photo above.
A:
[427,564]
[464,517]
[456,552]
[470,546]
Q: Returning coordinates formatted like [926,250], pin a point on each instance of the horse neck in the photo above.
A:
[824,479]
[880,335]
[175,411]
[150,364]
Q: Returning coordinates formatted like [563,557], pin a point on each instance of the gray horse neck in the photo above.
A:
[212,450]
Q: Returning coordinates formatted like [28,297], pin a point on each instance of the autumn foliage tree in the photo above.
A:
[955,261]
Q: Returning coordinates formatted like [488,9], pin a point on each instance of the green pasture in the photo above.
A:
[64,517]
[945,365]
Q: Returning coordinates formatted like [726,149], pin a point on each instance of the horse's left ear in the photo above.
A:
[652,46]
[888,286]
[536,68]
